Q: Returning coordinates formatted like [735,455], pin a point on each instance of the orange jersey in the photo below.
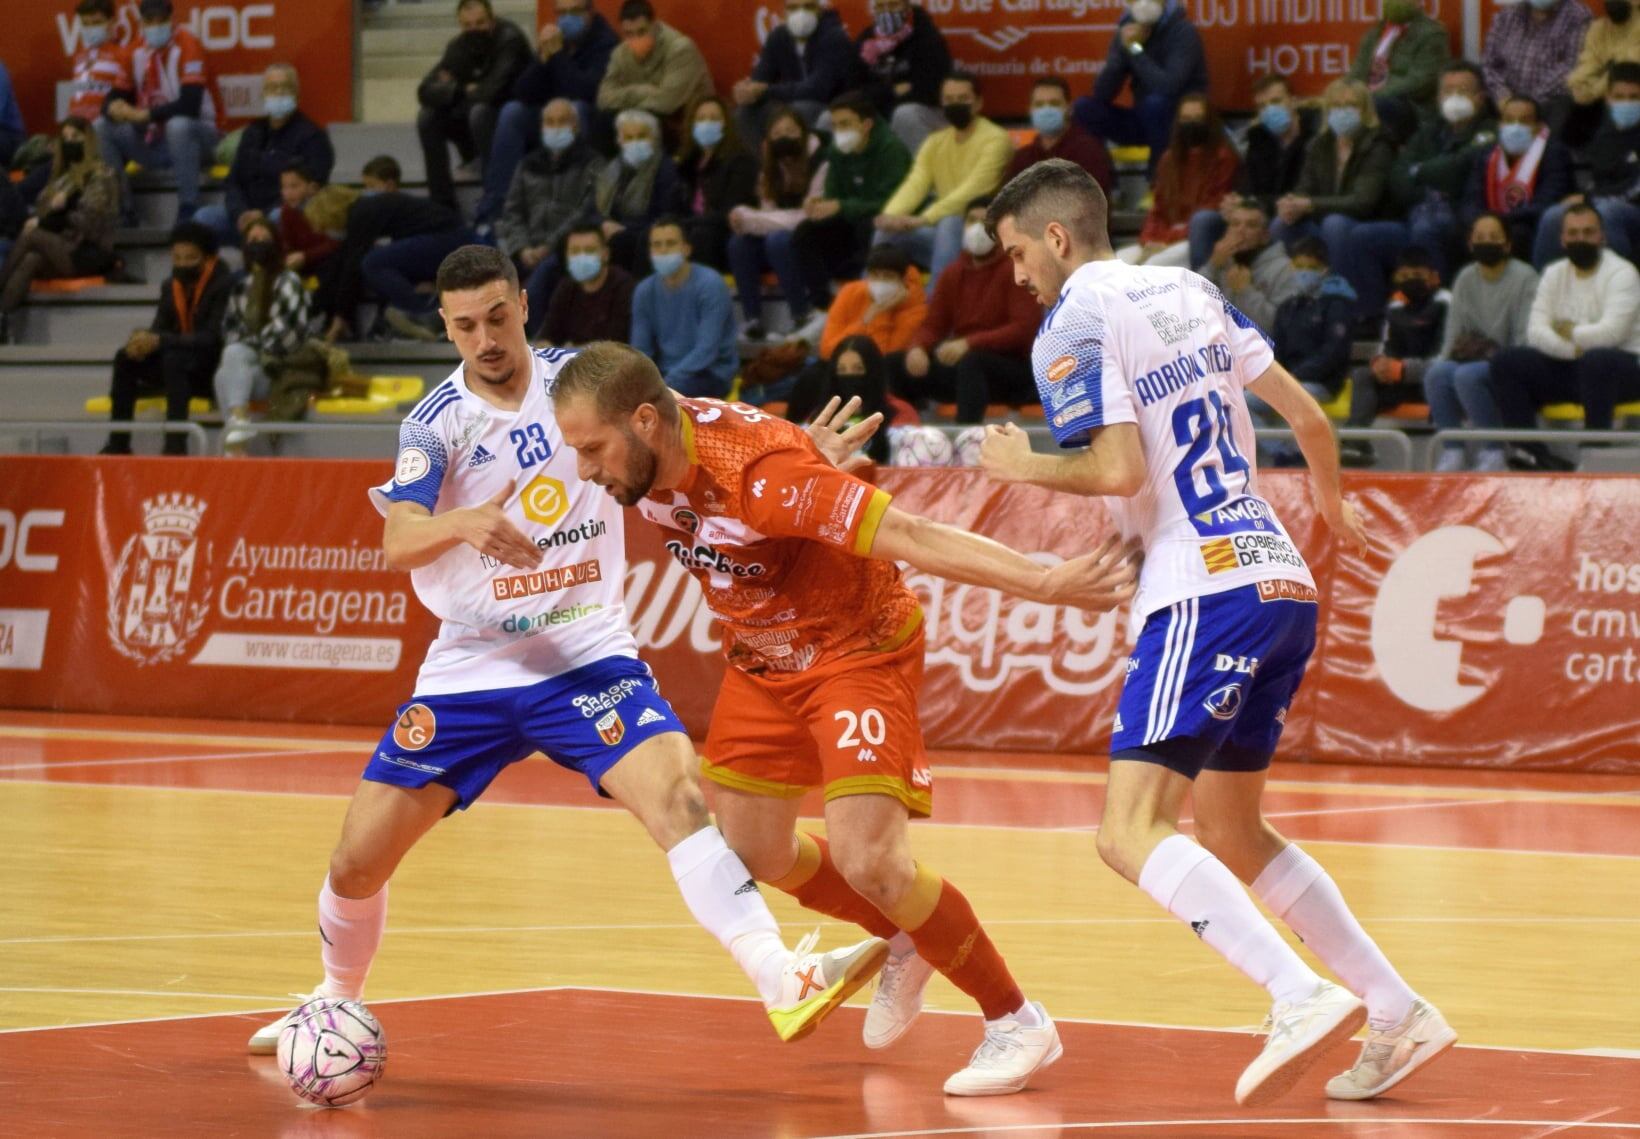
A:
[778,538]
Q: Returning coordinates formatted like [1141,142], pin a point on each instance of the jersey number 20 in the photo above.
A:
[1203,428]
[532,445]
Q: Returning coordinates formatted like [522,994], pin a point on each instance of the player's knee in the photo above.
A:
[355,875]
[876,872]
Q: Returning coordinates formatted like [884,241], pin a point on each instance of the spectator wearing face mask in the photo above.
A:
[855,370]
[1613,159]
[1531,49]
[634,188]
[1400,60]
[888,305]
[903,60]
[1312,327]
[1491,306]
[1197,173]
[461,97]
[1414,330]
[656,69]
[1060,136]
[1426,185]
[716,174]
[793,172]
[683,318]
[1582,337]
[1526,173]
[805,63]
[964,161]
[548,196]
[1274,147]
[267,146]
[1612,38]
[265,326]
[595,301]
[98,67]
[1254,273]
[1158,50]
[973,346]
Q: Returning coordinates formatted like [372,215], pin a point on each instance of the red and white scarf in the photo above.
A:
[1508,189]
[1379,71]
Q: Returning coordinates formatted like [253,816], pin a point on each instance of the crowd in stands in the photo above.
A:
[1473,218]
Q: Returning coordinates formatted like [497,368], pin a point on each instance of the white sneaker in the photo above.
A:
[238,432]
[1008,1057]
[265,1040]
[1492,461]
[1451,460]
[1392,1054]
[1299,1035]
[809,331]
[814,984]
[898,1001]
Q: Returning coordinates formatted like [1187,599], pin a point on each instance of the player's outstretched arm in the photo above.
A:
[837,438]
[1096,582]
[1113,463]
[414,536]
[1277,387]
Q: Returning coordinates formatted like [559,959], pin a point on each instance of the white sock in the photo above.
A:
[1026,1015]
[350,930]
[1301,893]
[1197,888]
[720,892]
[901,944]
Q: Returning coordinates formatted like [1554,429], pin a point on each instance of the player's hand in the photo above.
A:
[1346,525]
[951,351]
[488,530]
[819,209]
[1095,582]
[837,438]
[1004,452]
[916,363]
[1134,32]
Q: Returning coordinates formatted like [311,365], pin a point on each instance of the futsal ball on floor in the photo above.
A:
[332,1051]
[918,446]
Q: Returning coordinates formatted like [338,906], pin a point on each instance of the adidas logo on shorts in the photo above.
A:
[650,716]
[481,455]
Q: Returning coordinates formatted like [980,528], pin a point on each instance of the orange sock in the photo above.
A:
[949,937]
[817,885]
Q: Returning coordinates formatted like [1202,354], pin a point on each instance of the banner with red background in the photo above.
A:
[1012,43]
[1496,624]
[241,38]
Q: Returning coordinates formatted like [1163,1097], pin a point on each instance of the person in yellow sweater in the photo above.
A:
[964,161]
[1614,38]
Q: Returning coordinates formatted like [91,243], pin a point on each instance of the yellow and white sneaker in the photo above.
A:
[898,1000]
[816,983]
[1392,1054]
[265,1040]
[1010,1054]
[1299,1035]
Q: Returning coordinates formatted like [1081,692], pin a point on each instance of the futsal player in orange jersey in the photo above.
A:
[825,645]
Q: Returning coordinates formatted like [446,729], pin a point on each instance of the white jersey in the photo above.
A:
[1164,349]
[505,627]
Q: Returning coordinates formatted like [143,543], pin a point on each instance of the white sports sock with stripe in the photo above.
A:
[350,931]
[721,893]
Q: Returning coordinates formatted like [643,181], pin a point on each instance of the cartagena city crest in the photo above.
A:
[160,589]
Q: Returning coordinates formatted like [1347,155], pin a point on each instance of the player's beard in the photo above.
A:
[640,470]
[495,380]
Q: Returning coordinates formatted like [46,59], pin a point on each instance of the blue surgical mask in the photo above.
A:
[1048,120]
[156,35]
[1276,117]
[1343,121]
[94,37]
[666,263]
[279,106]
[1515,138]
[707,132]
[573,25]
[637,152]
[585,266]
[1625,113]
[1308,280]
[557,139]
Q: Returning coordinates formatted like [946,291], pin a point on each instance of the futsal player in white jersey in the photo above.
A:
[524,563]
[1141,371]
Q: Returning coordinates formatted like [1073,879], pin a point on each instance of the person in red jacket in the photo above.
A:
[1197,171]
[974,344]
[1060,136]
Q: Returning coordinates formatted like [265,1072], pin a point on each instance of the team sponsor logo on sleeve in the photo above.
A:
[1283,590]
[611,728]
[413,464]
[1061,368]
[1073,412]
[415,728]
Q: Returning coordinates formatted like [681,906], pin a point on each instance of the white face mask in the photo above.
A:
[1457,109]
[1147,12]
[885,292]
[802,23]
[847,141]
[976,241]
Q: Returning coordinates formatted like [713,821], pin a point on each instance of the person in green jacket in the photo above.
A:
[1400,60]
[865,163]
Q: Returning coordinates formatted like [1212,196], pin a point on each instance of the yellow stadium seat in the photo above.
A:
[386,393]
[1338,408]
[1573,412]
[103,405]
[1130,155]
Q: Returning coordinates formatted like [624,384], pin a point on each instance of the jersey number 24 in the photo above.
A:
[1203,425]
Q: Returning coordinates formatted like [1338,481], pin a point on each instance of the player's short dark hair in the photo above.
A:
[1581,208]
[473,267]
[1312,248]
[1415,257]
[887,259]
[154,10]
[637,10]
[1054,190]
[384,168]
[1056,83]
[618,378]
[958,75]
[1623,71]
[858,103]
[1270,81]
[95,8]
[197,234]
[591,228]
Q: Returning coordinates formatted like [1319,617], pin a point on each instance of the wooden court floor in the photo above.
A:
[540,976]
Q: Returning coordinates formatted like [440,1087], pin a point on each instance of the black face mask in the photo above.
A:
[1246,257]
[960,115]
[1416,292]
[186,274]
[480,41]
[1583,254]
[786,147]
[1193,134]
[73,152]
[1618,11]
[1489,253]
[258,252]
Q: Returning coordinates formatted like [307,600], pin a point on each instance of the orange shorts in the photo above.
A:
[850,726]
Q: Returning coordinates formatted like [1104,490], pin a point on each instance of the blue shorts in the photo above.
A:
[586,720]
[1210,681]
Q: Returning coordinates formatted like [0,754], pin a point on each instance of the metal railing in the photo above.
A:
[1574,436]
[1396,442]
[199,442]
